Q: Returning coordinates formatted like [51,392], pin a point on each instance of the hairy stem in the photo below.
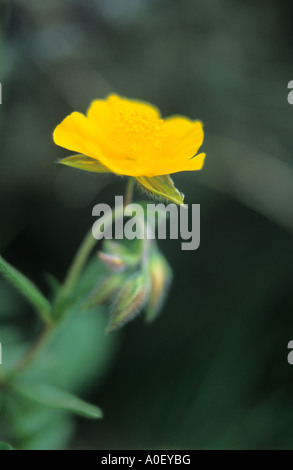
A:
[32,351]
[88,244]
[78,263]
[129,191]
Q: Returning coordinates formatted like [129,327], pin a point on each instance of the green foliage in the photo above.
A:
[4,446]
[26,288]
[76,355]
[54,398]
[137,275]
[31,426]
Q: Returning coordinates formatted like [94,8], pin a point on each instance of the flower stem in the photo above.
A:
[31,353]
[87,246]
[129,191]
[72,277]
[78,263]
[82,255]
[2,377]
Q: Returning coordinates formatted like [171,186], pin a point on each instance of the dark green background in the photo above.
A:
[212,372]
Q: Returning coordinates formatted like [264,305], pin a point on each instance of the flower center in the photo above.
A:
[136,132]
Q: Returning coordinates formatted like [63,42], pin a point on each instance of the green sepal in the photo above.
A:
[162,187]
[104,291]
[130,300]
[82,162]
[161,276]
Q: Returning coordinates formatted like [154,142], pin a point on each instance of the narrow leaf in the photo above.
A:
[54,398]
[26,288]
[163,187]
[82,162]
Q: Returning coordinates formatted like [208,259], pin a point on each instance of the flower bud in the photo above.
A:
[160,278]
[105,290]
[117,257]
[130,300]
[115,263]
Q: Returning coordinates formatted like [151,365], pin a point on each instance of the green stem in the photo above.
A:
[72,277]
[32,352]
[2,376]
[78,263]
[88,244]
[82,255]
[129,191]
[146,242]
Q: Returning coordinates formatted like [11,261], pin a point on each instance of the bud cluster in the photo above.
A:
[137,278]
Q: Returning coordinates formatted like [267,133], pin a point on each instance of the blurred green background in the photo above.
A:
[212,371]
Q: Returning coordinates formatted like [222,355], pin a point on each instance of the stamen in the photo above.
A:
[137,131]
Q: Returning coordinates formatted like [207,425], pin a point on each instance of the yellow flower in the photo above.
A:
[129,137]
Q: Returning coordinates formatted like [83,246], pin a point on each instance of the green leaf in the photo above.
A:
[58,361]
[34,426]
[53,284]
[82,162]
[163,187]
[27,289]
[54,398]
[4,446]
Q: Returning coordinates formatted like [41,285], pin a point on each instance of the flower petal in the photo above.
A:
[183,137]
[118,124]
[101,116]
[73,133]
[120,105]
[195,163]
[77,133]
[165,167]
[128,137]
